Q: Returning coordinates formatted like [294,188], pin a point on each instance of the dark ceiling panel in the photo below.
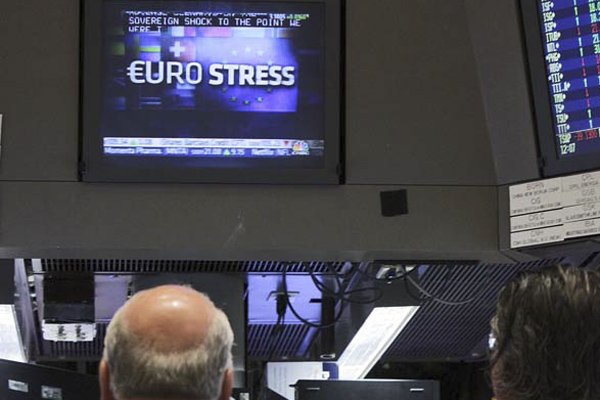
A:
[445,332]
[183,266]
[437,332]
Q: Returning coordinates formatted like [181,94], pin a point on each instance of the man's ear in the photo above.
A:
[227,386]
[104,380]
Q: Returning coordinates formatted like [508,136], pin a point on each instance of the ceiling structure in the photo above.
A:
[457,300]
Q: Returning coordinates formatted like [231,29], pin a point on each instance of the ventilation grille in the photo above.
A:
[437,331]
[75,351]
[292,341]
[185,266]
[441,332]
[265,343]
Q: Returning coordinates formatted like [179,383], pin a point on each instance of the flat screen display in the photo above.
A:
[564,57]
[215,91]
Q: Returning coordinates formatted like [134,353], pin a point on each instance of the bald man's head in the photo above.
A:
[168,342]
[169,318]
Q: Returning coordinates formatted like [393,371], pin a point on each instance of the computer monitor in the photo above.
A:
[563,47]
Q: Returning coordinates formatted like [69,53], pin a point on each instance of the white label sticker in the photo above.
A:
[556,209]
[84,332]
[49,392]
[584,211]
[18,386]
[582,228]
[580,182]
[536,220]
[535,196]
[583,196]
[537,236]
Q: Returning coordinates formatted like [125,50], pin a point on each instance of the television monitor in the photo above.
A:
[211,91]
[563,47]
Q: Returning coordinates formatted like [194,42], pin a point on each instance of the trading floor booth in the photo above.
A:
[338,175]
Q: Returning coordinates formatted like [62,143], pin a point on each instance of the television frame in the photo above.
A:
[92,167]
[549,161]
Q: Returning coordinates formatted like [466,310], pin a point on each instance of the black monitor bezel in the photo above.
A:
[94,168]
[550,163]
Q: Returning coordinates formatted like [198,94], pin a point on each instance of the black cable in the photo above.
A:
[332,270]
[344,275]
[404,274]
[449,274]
[429,296]
[304,320]
[324,288]
[421,300]
[378,295]
[341,294]
[343,288]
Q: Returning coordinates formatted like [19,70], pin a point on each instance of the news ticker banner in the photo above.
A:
[211,147]
[144,21]
[554,210]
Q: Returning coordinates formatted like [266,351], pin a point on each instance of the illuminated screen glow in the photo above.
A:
[570,32]
[213,84]
[11,347]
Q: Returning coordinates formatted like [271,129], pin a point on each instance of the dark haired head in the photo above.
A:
[547,329]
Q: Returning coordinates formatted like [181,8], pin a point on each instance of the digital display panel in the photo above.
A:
[193,87]
[571,42]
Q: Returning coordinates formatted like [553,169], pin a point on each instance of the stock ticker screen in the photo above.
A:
[571,41]
[219,84]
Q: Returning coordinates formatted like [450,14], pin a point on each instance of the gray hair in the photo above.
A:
[138,370]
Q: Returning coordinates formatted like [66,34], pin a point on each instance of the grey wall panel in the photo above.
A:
[414,116]
[414,111]
[241,223]
[39,47]
[498,47]
[7,281]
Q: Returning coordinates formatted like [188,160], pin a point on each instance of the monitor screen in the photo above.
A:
[211,91]
[563,41]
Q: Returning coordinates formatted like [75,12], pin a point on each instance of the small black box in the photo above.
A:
[380,389]
[393,203]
